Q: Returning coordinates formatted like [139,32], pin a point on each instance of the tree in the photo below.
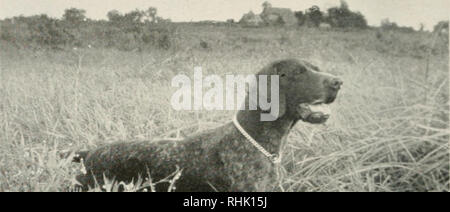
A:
[343,17]
[314,15]
[151,13]
[133,17]
[441,26]
[266,4]
[74,16]
[114,16]
[344,5]
[47,31]
[301,17]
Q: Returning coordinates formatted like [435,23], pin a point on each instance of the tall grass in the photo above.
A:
[382,136]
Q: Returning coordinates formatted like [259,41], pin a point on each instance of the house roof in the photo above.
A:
[251,19]
[285,14]
[276,10]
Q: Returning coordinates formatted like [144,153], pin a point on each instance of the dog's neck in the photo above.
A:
[269,134]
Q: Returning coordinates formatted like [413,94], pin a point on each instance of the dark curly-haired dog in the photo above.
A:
[222,159]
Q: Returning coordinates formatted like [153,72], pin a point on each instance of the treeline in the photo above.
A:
[137,29]
[144,29]
[343,17]
[337,17]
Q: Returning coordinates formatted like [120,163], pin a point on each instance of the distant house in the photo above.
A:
[251,20]
[278,16]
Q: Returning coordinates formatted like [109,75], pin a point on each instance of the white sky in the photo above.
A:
[403,12]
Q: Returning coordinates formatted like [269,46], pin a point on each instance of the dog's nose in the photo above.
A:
[335,83]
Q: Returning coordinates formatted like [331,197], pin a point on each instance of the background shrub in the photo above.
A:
[130,31]
[343,17]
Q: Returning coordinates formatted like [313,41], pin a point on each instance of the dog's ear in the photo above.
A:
[289,67]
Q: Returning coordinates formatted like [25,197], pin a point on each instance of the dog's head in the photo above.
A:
[304,91]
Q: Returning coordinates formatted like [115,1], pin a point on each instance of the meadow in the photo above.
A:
[389,129]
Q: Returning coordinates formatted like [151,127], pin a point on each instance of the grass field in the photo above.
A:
[388,132]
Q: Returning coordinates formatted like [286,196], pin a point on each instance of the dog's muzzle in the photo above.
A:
[315,114]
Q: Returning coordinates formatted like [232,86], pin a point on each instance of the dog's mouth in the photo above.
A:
[316,112]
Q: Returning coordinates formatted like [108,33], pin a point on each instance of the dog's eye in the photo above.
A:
[283,75]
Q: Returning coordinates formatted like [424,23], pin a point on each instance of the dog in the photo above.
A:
[241,155]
